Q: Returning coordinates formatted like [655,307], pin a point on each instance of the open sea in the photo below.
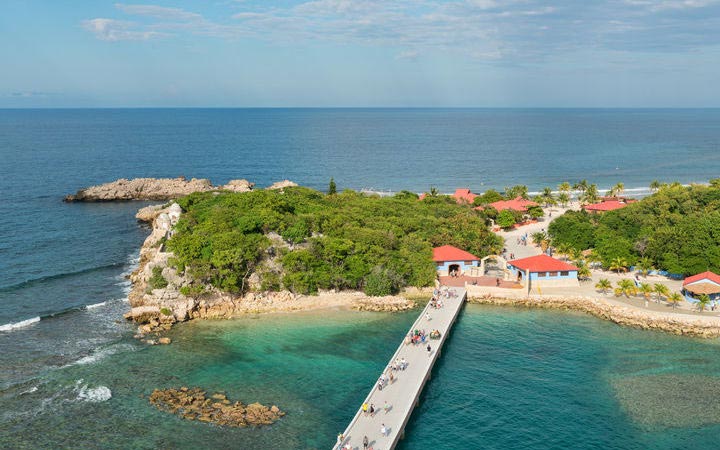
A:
[72,376]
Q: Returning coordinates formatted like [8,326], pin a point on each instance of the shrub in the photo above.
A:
[382,281]
[157,280]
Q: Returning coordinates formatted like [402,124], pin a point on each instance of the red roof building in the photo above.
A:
[516,204]
[707,283]
[449,253]
[608,204]
[705,276]
[542,263]
[464,196]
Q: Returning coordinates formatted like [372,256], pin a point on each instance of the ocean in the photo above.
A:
[72,376]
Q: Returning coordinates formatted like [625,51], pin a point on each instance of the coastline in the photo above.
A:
[606,309]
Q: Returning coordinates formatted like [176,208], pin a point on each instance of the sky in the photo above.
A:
[360,53]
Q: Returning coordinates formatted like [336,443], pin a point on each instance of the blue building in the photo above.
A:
[544,270]
[451,260]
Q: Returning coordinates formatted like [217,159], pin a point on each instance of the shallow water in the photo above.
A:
[508,378]
[58,259]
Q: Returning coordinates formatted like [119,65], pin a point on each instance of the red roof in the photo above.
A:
[715,278]
[607,205]
[518,204]
[464,195]
[542,263]
[450,253]
[422,196]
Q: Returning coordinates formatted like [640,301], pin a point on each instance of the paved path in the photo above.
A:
[403,394]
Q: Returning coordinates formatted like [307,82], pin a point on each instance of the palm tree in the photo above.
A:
[603,285]
[583,270]
[590,195]
[540,237]
[563,198]
[646,290]
[564,187]
[617,190]
[655,186]
[547,197]
[581,186]
[674,299]
[703,302]
[661,290]
[434,191]
[619,264]
[627,287]
[645,265]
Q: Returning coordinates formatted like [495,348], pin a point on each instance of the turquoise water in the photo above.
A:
[508,378]
[63,266]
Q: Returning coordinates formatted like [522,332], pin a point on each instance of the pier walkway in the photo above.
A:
[403,394]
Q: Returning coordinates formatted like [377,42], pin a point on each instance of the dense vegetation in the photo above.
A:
[676,229]
[335,241]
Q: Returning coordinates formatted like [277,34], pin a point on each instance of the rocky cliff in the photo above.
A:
[155,189]
[157,306]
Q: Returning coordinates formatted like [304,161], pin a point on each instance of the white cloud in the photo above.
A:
[117,30]
[158,12]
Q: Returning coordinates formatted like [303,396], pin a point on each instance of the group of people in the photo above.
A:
[415,337]
[443,291]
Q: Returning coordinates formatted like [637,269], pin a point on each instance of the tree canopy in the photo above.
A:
[342,241]
[676,229]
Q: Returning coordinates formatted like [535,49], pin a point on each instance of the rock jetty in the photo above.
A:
[688,325]
[152,189]
[193,404]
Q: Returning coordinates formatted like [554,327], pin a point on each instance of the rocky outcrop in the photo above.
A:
[141,189]
[193,404]
[383,304]
[282,184]
[681,324]
[239,186]
[152,189]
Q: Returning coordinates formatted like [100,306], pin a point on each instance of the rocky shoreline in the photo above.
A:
[156,310]
[193,404]
[704,327]
[160,189]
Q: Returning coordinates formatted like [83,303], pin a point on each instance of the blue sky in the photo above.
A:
[506,53]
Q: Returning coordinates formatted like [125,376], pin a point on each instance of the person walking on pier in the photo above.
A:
[365,408]
[429,349]
[386,407]
[365,443]
[383,430]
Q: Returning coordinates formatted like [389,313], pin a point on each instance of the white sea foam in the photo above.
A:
[93,395]
[21,324]
[101,354]
[96,305]
[30,391]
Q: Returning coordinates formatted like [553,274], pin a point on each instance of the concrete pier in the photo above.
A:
[404,393]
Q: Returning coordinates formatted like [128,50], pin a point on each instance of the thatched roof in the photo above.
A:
[703,288]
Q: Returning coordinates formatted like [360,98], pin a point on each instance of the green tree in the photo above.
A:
[661,291]
[535,212]
[603,285]
[618,264]
[489,196]
[590,195]
[627,287]
[332,188]
[563,198]
[519,190]
[674,299]
[617,190]
[382,281]
[645,266]
[702,302]
[654,186]
[646,290]
[505,219]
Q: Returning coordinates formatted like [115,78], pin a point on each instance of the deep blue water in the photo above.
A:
[56,258]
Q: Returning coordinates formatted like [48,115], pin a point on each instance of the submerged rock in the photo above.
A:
[193,404]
